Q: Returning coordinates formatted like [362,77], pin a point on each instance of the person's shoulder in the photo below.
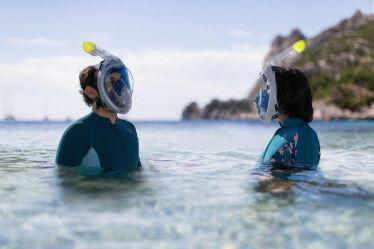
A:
[85,119]
[307,133]
[74,143]
[124,122]
[125,126]
[306,129]
[79,125]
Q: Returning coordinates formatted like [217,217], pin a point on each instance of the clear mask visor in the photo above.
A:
[119,86]
[262,98]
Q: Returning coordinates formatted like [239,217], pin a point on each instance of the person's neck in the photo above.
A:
[282,118]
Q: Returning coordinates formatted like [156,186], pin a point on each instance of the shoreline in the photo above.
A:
[322,112]
[21,121]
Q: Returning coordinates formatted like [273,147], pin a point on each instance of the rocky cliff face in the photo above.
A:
[216,109]
[339,63]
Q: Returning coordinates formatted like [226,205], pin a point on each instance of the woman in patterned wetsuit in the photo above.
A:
[295,144]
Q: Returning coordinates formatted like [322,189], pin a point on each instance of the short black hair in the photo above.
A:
[293,93]
[88,77]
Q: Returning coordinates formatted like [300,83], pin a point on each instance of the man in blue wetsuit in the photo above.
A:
[112,140]
[286,96]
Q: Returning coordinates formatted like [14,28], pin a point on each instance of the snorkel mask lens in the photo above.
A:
[265,81]
[119,87]
[262,98]
[120,81]
[262,102]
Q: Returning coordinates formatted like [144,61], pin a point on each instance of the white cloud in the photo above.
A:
[37,41]
[240,33]
[100,38]
[165,80]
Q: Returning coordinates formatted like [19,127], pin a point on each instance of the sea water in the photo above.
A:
[201,186]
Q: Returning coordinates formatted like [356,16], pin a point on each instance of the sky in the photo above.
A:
[177,51]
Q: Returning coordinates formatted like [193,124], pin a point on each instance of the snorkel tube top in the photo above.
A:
[116,146]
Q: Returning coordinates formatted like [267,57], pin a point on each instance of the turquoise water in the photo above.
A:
[200,187]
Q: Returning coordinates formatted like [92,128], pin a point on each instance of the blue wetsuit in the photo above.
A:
[116,145]
[294,145]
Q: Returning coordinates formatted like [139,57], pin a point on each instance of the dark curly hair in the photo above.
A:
[88,77]
[293,93]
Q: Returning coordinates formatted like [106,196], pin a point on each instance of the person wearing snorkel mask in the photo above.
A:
[107,88]
[285,96]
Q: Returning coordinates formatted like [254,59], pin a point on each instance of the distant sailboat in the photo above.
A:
[67,113]
[8,116]
[46,118]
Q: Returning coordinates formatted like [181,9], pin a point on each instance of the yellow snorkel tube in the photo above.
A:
[299,46]
[95,50]
[292,51]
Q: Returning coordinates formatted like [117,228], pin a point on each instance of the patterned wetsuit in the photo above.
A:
[295,144]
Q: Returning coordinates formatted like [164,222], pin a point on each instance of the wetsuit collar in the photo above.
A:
[292,122]
[98,117]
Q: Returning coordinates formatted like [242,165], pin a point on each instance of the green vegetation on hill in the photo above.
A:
[343,67]
[339,63]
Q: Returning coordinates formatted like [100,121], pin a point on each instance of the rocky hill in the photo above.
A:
[339,63]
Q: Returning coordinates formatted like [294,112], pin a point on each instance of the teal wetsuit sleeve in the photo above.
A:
[74,144]
[129,138]
[307,149]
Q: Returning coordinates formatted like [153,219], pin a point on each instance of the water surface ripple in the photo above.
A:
[200,187]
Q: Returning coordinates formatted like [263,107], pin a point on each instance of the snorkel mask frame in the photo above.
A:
[266,100]
[106,66]
[108,63]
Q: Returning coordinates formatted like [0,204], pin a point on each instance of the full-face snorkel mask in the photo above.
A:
[266,99]
[114,80]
